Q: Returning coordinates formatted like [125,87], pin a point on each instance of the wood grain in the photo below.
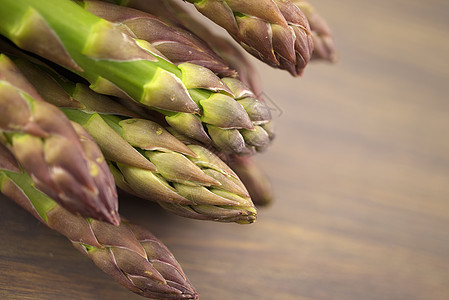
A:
[361,171]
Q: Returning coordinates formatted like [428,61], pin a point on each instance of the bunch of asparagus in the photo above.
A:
[138,94]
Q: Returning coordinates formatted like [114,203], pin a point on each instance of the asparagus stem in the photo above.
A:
[176,44]
[48,147]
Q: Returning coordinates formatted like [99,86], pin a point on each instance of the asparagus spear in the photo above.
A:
[148,161]
[275,31]
[178,45]
[46,144]
[147,27]
[153,30]
[324,47]
[175,14]
[133,256]
[117,64]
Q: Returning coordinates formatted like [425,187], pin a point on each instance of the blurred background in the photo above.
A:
[360,169]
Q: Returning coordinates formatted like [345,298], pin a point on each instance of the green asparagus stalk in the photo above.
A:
[117,64]
[140,24]
[324,46]
[133,256]
[275,31]
[151,29]
[48,147]
[148,161]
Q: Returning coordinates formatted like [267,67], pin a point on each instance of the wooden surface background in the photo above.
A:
[360,168]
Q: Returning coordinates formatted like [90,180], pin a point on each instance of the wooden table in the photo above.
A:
[360,168]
